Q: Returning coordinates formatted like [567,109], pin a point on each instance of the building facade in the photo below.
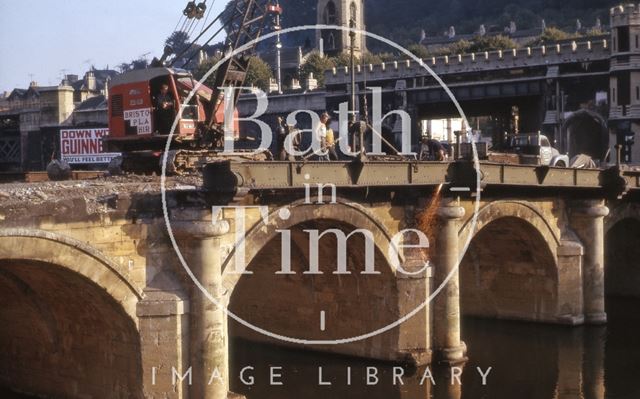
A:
[624,91]
[30,119]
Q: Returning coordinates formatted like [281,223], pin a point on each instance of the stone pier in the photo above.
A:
[92,287]
[200,239]
[588,223]
[446,310]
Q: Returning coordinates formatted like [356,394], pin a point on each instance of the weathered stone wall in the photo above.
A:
[88,320]
[96,300]
[509,272]
[354,304]
[622,251]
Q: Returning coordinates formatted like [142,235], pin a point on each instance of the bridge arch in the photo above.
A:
[523,210]
[69,314]
[290,305]
[343,212]
[510,268]
[622,251]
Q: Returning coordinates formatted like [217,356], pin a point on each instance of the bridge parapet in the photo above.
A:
[568,52]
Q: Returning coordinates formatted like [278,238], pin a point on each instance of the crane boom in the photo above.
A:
[245,26]
[150,110]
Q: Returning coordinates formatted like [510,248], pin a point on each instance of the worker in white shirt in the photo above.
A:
[321,136]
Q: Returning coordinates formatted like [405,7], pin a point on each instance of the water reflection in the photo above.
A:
[527,361]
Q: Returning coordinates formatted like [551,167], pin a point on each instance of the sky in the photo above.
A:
[42,40]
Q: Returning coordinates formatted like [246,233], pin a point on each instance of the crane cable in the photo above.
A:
[197,19]
[200,35]
[223,27]
[179,20]
[208,13]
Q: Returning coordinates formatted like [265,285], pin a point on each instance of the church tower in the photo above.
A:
[340,13]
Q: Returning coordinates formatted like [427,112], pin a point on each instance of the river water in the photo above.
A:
[527,360]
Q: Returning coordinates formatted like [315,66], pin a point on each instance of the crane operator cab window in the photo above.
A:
[164,104]
[184,85]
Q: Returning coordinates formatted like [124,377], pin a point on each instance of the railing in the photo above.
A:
[473,62]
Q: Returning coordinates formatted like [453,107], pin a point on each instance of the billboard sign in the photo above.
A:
[84,146]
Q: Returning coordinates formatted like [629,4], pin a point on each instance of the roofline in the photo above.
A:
[139,75]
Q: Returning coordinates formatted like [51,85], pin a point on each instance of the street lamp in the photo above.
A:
[277,11]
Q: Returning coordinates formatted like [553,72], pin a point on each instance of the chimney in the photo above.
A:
[90,81]
[107,82]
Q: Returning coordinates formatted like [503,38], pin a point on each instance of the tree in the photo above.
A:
[140,63]
[370,58]
[204,67]
[317,64]
[418,50]
[259,74]
[479,44]
[552,35]
[124,67]
[343,59]
[178,41]
[459,47]
[491,43]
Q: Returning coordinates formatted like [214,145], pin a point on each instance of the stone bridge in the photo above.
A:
[96,302]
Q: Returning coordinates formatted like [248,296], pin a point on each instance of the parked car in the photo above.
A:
[536,148]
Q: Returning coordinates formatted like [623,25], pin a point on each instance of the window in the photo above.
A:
[331,42]
[353,10]
[624,39]
[330,14]
[544,142]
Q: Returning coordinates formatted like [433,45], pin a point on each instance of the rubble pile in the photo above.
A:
[15,197]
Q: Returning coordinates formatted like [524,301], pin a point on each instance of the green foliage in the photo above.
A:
[491,43]
[140,63]
[479,44]
[178,41]
[459,47]
[418,50]
[369,58]
[203,68]
[403,20]
[342,60]
[259,74]
[552,35]
[595,32]
[317,64]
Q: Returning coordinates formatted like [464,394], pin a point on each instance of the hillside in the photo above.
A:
[403,20]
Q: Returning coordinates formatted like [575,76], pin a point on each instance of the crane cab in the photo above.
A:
[137,120]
